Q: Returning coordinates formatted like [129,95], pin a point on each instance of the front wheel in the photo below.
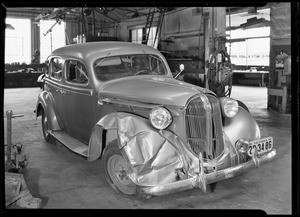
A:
[117,170]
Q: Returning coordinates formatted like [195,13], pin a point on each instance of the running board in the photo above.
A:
[71,143]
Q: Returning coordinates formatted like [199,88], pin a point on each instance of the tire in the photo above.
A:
[116,170]
[45,127]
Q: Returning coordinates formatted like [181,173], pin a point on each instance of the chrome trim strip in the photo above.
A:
[127,103]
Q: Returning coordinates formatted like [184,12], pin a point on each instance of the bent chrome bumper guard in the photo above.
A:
[202,179]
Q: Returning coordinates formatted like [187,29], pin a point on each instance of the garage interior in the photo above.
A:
[258,41]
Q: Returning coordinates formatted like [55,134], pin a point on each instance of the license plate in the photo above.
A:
[262,146]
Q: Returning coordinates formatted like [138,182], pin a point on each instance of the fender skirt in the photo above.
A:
[156,157]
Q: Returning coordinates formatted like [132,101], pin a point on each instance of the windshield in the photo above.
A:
[109,68]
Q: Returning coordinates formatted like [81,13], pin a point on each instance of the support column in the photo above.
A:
[279,89]
[35,38]
[215,26]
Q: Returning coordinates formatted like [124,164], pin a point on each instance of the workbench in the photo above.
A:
[247,77]
[21,79]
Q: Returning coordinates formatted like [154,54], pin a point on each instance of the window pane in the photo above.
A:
[238,53]
[133,36]
[81,73]
[128,65]
[71,70]
[152,36]
[18,41]
[251,52]
[139,35]
[56,68]
[57,34]
[258,51]
[76,72]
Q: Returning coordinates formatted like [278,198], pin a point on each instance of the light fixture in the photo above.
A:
[136,14]
[9,26]
[87,12]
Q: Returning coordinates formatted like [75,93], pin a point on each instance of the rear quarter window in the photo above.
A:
[55,68]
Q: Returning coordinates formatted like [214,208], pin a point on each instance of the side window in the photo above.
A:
[47,62]
[55,68]
[76,72]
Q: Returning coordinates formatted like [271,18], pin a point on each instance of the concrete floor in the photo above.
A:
[64,180]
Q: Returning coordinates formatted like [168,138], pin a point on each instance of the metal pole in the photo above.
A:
[83,22]
[8,138]
[66,35]
[50,30]
[51,40]
[94,29]
[199,41]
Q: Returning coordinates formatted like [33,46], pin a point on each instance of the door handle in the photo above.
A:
[63,92]
[103,100]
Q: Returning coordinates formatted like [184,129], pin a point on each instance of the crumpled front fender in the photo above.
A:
[156,157]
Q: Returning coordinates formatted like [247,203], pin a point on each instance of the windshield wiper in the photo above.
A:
[98,64]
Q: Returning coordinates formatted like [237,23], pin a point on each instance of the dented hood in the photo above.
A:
[151,89]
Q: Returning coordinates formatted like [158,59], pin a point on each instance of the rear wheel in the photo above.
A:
[45,127]
[117,170]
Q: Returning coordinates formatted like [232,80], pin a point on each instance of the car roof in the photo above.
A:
[91,51]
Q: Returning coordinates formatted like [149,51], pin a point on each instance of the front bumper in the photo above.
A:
[201,180]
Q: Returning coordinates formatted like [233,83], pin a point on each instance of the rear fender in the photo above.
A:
[45,103]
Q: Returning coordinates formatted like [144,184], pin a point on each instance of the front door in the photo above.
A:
[79,100]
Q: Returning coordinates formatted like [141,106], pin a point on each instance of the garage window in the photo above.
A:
[18,41]
[51,40]
[137,36]
[76,72]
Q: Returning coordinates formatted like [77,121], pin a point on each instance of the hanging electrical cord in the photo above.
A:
[229,31]
[220,73]
[219,66]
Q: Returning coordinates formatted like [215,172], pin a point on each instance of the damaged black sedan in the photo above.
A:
[155,135]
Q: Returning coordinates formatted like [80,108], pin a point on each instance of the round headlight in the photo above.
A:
[230,107]
[160,118]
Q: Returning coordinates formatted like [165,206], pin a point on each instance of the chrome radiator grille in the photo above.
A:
[197,125]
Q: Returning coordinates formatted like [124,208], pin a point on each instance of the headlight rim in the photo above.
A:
[170,115]
[226,100]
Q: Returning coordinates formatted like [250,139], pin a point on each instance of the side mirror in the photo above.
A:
[181,68]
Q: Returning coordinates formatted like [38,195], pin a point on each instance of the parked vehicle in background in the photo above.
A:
[155,135]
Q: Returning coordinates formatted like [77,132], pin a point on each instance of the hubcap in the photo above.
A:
[118,171]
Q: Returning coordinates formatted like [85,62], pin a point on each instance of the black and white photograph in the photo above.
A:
[159,107]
